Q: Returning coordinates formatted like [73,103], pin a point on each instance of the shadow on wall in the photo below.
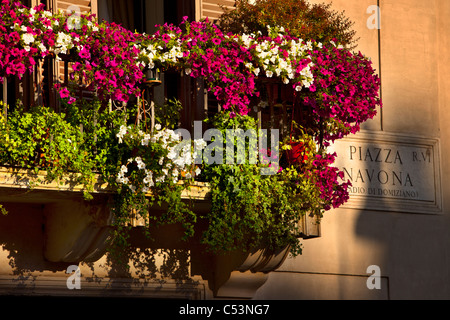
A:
[22,241]
[146,260]
[22,261]
[396,184]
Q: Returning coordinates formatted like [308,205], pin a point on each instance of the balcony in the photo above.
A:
[110,144]
[78,231]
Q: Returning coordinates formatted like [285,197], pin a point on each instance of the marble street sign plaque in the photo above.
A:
[391,172]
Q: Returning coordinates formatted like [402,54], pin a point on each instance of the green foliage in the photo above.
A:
[135,197]
[3,211]
[81,142]
[43,140]
[310,22]
[168,114]
[248,209]
[251,210]
[98,128]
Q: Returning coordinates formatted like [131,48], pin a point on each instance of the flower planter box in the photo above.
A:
[17,178]
[80,231]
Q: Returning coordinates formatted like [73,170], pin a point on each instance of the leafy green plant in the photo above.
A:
[252,210]
[135,162]
[85,140]
[168,114]
[151,173]
[43,140]
[249,210]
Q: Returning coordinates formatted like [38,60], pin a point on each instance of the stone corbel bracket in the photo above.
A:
[76,231]
[81,230]
[252,274]
[238,274]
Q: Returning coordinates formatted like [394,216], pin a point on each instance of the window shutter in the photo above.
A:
[213,8]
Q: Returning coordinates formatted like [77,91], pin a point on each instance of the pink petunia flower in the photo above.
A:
[71,100]
[100,75]
[64,93]
[84,53]
[216,41]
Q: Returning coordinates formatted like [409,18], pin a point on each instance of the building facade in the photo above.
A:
[390,241]
[384,230]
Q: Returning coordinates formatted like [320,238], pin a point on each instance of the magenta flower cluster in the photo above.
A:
[21,29]
[104,56]
[340,86]
[327,177]
[345,91]
[228,63]
[202,50]
[107,61]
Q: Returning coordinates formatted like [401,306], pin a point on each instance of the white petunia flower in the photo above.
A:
[28,38]
[147,180]
[200,143]
[140,163]
[121,133]
[42,48]
[145,140]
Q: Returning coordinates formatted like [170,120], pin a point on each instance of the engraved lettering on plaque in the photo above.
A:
[390,172]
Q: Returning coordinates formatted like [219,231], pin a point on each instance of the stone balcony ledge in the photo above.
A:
[21,182]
